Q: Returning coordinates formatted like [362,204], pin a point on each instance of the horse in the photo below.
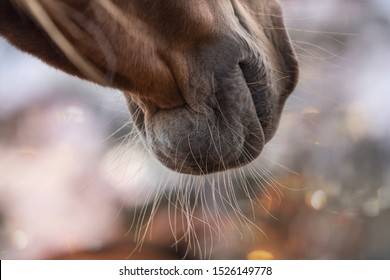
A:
[205,81]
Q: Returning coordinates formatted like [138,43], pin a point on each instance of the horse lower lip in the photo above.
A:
[199,143]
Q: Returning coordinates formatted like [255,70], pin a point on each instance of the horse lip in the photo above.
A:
[253,144]
[193,167]
[197,169]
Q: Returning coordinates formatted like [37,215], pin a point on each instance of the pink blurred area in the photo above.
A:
[52,194]
[55,196]
[68,164]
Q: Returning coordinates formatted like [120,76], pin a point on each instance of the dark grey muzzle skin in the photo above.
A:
[237,97]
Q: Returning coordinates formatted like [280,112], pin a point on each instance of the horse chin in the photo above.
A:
[196,143]
[220,134]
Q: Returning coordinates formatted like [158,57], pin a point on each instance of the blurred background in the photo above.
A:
[73,176]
